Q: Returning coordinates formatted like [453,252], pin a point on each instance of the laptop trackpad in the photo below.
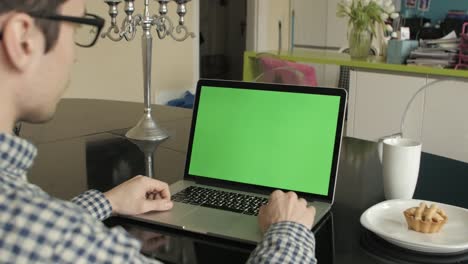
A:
[207,220]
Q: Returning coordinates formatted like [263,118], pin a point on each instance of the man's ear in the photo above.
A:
[20,41]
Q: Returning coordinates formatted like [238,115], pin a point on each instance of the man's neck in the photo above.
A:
[7,111]
[8,103]
[6,124]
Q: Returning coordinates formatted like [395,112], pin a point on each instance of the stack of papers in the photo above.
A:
[440,53]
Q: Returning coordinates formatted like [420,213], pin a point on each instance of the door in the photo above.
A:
[222,38]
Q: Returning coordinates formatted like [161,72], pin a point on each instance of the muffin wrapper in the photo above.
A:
[423,226]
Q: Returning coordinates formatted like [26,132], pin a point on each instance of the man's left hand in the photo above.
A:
[139,195]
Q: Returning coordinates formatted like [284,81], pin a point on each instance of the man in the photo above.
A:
[36,53]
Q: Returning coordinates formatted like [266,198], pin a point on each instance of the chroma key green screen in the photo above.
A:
[276,139]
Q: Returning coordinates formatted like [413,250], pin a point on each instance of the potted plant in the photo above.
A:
[364,19]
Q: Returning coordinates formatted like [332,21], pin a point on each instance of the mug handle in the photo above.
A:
[380,144]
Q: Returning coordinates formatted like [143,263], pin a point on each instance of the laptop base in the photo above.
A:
[214,222]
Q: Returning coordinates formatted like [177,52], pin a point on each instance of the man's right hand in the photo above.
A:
[285,207]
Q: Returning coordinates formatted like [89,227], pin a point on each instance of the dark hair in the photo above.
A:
[49,28]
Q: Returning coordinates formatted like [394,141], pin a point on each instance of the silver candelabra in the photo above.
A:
[146,129]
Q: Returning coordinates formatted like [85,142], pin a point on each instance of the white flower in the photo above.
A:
[365,2]
[394,15]
[390,9]
[387,3]
[388,28]
[378,2]
[384,16]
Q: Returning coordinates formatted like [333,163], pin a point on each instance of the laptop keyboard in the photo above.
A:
[235,202]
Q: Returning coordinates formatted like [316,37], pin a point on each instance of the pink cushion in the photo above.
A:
[273,70]
[310,79]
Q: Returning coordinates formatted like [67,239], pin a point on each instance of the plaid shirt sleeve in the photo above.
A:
[95,203]
[38,228]
[285,242]
[91,242]
[83,239]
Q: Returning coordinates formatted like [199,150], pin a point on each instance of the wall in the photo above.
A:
[310,23]
[269,12]
[438,8]
[113,70]
[317,26]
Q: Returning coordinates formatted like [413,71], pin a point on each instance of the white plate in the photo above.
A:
[387,221]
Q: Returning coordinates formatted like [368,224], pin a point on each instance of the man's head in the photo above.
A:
[36,56]
[48,28]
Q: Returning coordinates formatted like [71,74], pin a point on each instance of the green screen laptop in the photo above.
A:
[247,140]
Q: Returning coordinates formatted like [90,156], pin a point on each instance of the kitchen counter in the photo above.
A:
[335,58]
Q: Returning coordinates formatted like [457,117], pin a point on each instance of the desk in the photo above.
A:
[101,158]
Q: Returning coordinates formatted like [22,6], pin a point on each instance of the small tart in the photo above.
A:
[425,219]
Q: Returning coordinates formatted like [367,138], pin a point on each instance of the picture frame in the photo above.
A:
[424,5]
[411,3]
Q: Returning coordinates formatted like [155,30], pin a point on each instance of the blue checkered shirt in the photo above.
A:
[38,228]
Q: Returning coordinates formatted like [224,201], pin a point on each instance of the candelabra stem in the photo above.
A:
[147,129]
[149,149]
[149,165]
[147,44]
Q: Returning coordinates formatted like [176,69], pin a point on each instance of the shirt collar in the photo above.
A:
[16,154]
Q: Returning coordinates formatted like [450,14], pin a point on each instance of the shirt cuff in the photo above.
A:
[95,203]
[298,232]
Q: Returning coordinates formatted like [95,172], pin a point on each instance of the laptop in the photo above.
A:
[247,140]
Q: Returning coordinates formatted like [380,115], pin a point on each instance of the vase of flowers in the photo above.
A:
[364,16]
[360,42]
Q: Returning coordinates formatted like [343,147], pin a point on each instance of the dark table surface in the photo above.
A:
[84,147]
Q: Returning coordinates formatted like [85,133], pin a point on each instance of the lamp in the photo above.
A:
[424,87]
[146,129]
[405,113]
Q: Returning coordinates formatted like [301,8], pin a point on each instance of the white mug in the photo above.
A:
[400,165]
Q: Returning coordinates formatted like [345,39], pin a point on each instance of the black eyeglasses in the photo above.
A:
[86,35]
